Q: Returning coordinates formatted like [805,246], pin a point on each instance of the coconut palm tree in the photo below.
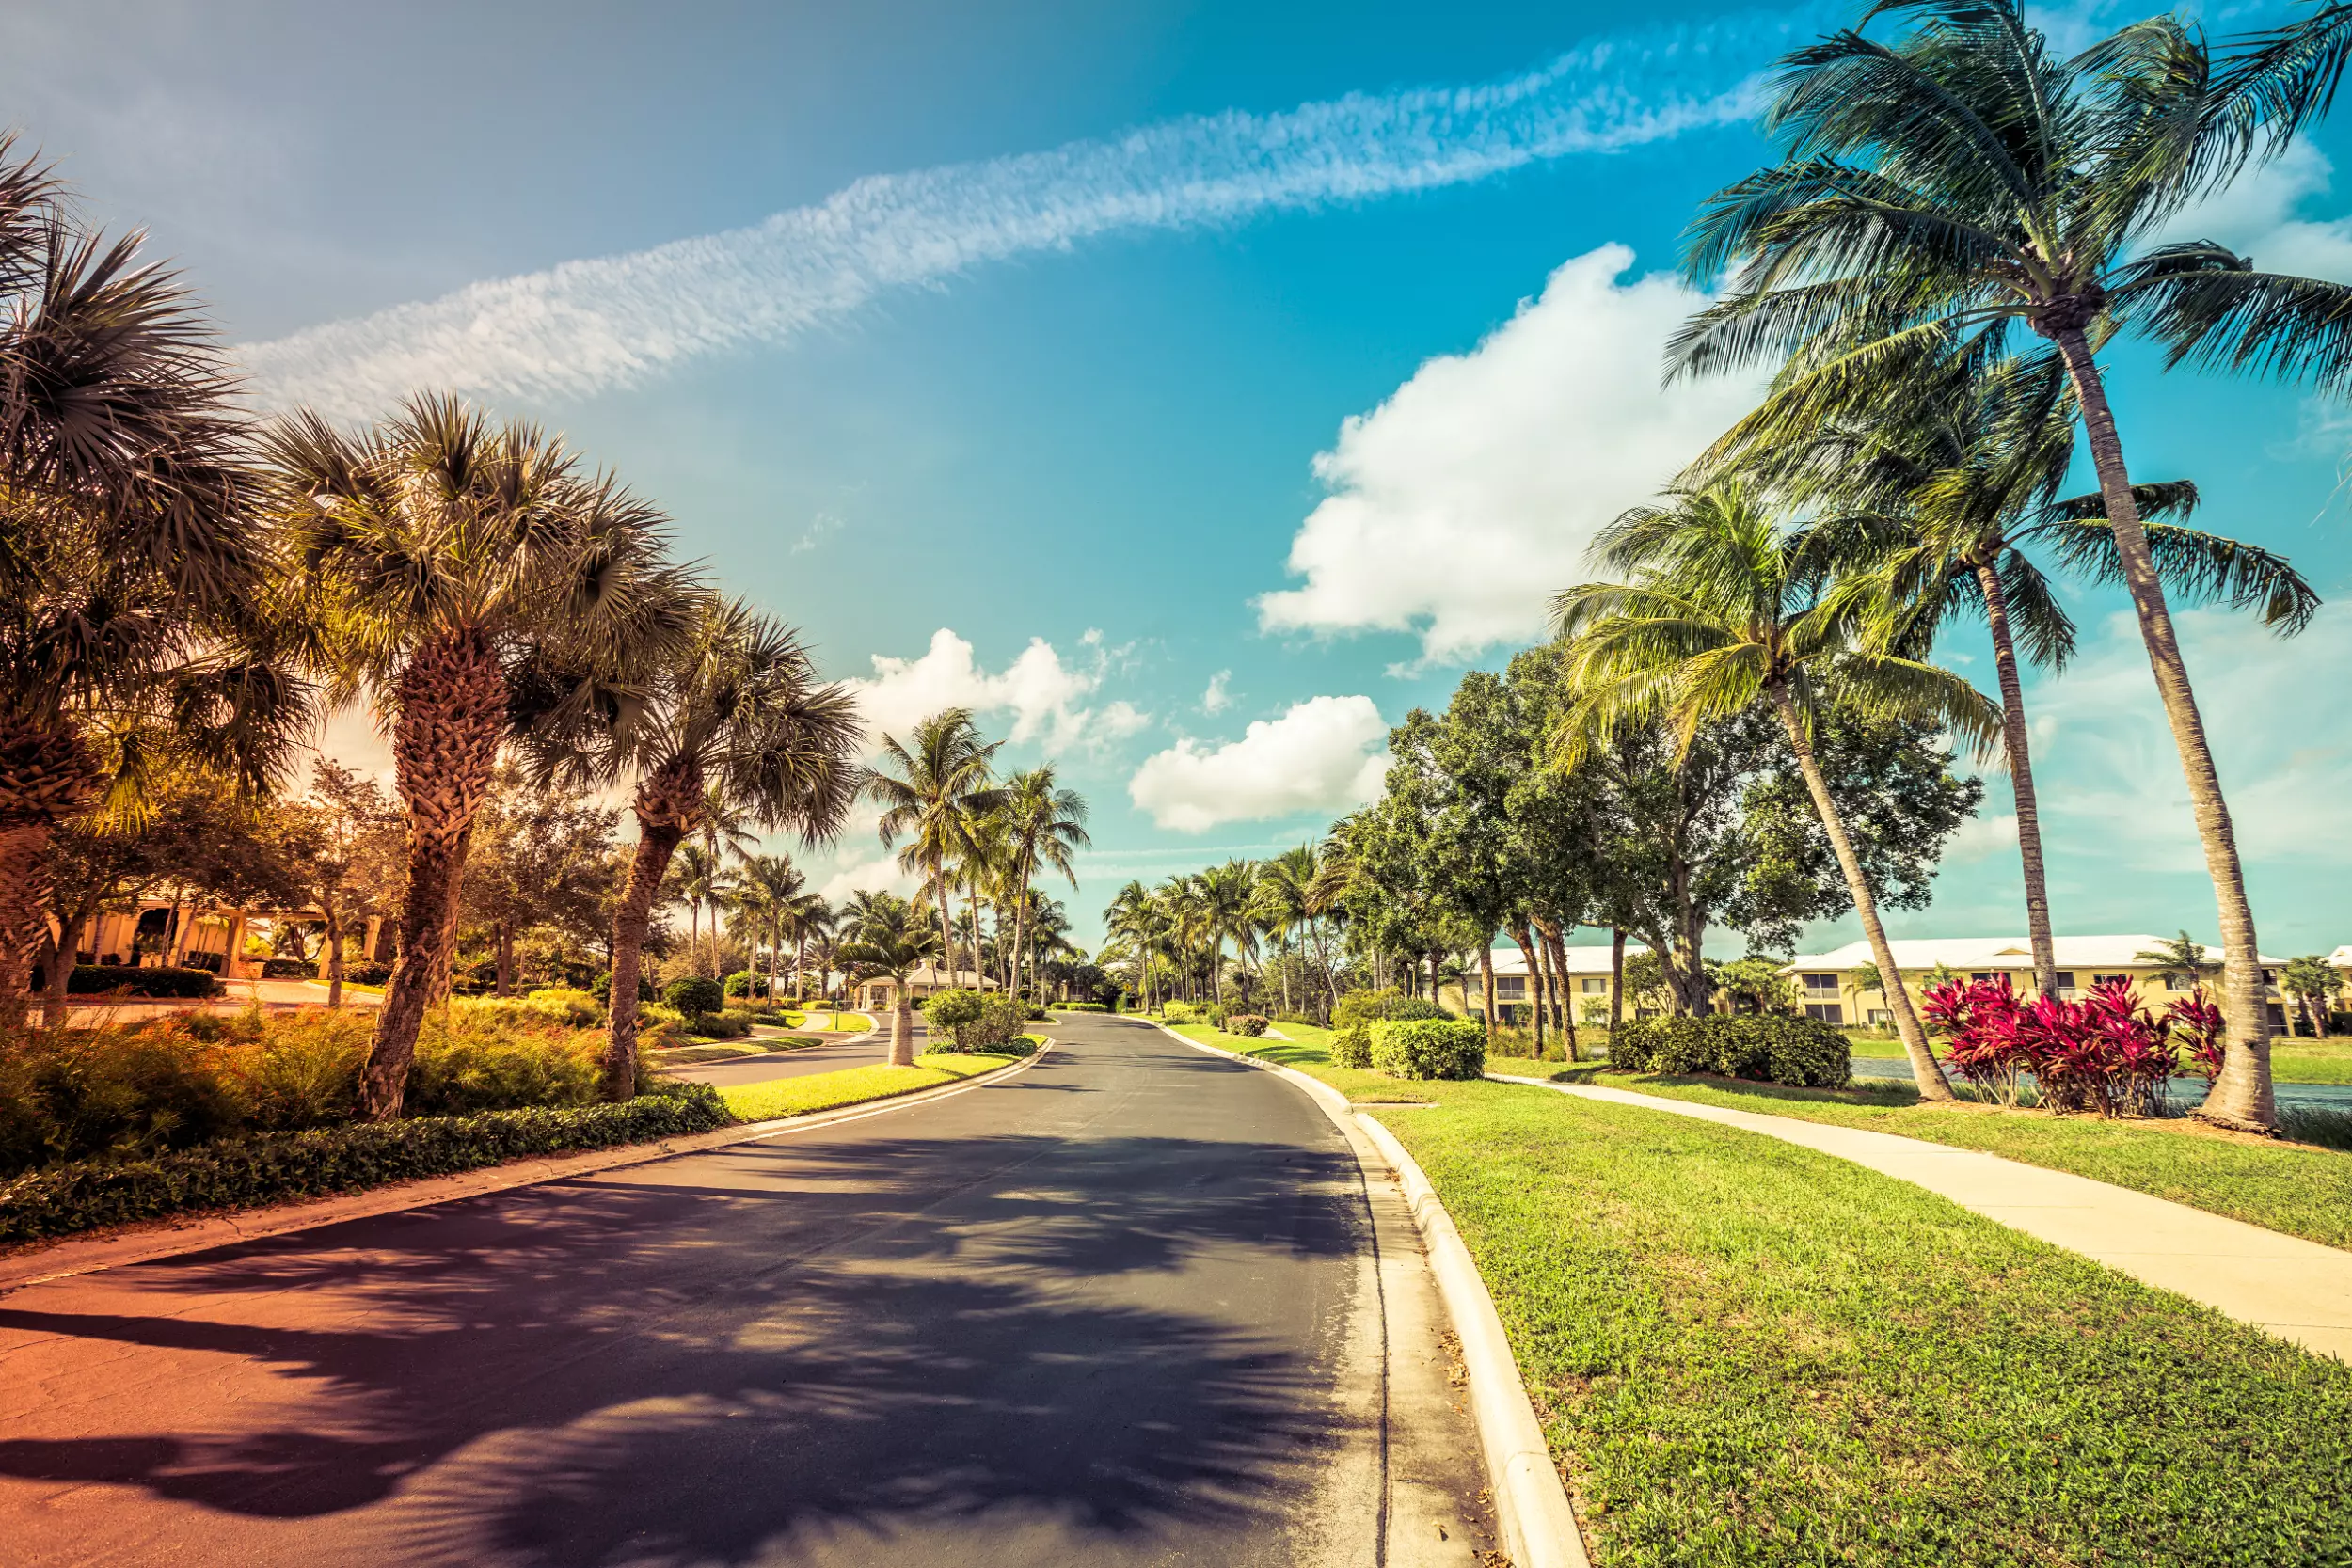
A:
[738,710]
[1943,189]
[770,889]
[1723,609]
[893,939]
[932,788]
[473,583]
[1964,466]
[135,635]
[1224,914]
[1044,824]
[702,882]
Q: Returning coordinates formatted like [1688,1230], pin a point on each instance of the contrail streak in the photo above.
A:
[585,326]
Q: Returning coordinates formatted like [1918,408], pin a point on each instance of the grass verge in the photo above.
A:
[2296,1188]
[1744,1352]
[826,1091]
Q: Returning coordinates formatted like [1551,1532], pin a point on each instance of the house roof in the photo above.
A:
[2002,952]
[932,975]
[1582,961]
[2341,957]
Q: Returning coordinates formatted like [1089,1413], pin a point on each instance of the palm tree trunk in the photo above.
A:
[903,1024]
[2241,1095]
[1617,982]
[2013,733]
[1554,940]
[334,952]
[450,712]
[1487,980]
[57,1005]
[1925,1070]
[658,838]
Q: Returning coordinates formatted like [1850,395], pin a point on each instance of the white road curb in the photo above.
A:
[1539,1528]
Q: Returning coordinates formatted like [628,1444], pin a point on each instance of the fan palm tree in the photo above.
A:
[1725,608]
[1044,824]
[737,709]
[473,583]
[932,788]
[893,939]
[1964,467]
[1940,189]
[702,884]
[135,631]
[1224,914]
[805,918]
[1285,890]
[1135,918]
[771,887]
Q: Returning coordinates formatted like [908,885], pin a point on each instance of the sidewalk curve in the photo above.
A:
[2297,1289]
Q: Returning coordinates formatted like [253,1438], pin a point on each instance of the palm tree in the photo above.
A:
[1134,917]
[807,919]
[475,585]
[1224,914]
[1964,466]
[1942,188]
[702,881]
[1044,823]
[2183,959]
[892,940]
[136,638]
[1725,608]
[737,710]
[770,889]
[942,782]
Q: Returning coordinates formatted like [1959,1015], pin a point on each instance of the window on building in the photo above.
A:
[1511,988]
[1820,985]
[1981,975]
[2065,982]
[2103,979]
[1880,1018]
[1828,1012]
[1593,986]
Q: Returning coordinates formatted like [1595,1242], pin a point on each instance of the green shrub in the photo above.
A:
[1429,1047]
[378,975]
[288,969]
[1774,1048]
[976,1021]
[692,994]
[732,1024]
[131,980]
[1178,1012]
[1083,1008]
[1246,1025]
[745,983]
[579,1009]
[1371,1007]
[1295,1017]
[470,1058]
[272,1167]
[1352,1046]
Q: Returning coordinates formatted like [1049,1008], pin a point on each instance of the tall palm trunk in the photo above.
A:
[2014,738]
[2241,1095]
[1925,1070]
[664,804]
[449,707]
[1617,982]
[902,1023]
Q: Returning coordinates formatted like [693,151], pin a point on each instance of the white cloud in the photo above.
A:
[820,527]
[587,326]
[1459,506]
[1216,699]
[1319,756]
[1982,837]
[1044,695]
[2110,778]
[2258,215]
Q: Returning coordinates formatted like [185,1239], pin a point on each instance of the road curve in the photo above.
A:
[1119,1310]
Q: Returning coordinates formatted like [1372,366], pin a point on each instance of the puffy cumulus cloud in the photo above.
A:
[1219,697]
[1044,694]
[1461,504]
[2260,215]
[1319,756]
[2111,780]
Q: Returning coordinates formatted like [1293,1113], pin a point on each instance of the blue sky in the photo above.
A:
[1195,388]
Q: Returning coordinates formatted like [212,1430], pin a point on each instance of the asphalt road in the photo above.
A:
[1123,1308]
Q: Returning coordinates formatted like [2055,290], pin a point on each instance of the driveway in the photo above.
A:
[1127,1307]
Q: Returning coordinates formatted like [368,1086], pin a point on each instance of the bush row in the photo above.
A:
[131,980]
[276,1166]
[1776,1048]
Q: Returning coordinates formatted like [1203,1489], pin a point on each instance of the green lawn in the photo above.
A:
[825,1091]
[2292,1187]
[1746,1352]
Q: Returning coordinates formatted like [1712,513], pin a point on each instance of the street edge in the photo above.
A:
[1539,1524]
[95,1254]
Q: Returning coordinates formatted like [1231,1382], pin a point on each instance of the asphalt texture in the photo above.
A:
[1119,1309]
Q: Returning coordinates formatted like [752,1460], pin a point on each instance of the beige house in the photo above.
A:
[1589,980]
[208,936]
[1830,988]
[879,995]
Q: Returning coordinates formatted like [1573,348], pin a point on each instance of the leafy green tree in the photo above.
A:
[1964,179]
[892,940]
[539,857]
[1725,610]
[342,849]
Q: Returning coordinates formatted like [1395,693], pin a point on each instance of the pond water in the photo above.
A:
[2186,1092]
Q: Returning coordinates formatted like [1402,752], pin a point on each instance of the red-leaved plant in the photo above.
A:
[2105,1053]
[2197,1022]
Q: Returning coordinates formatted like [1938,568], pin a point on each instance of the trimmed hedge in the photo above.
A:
[1248,1024]
[1429,1048]
[131,980]
[1080,1007]
[288,969]
[1352,1046]
[1774,1048]
[276,1166]
[694,993]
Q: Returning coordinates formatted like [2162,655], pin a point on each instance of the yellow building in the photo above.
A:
[879,995]
[1829,987]
[207,936]
[1588,981]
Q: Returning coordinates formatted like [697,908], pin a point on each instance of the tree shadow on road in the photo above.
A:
[629,1367]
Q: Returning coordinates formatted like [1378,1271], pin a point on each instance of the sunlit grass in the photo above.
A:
[826,1091]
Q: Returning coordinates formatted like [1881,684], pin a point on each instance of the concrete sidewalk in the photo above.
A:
[2297,1289]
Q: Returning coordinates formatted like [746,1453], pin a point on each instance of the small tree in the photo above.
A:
[346,852]
[891,942]
[958,1011]
[2313,982]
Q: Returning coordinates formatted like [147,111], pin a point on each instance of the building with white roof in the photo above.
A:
[1834,991]
[1588,979]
